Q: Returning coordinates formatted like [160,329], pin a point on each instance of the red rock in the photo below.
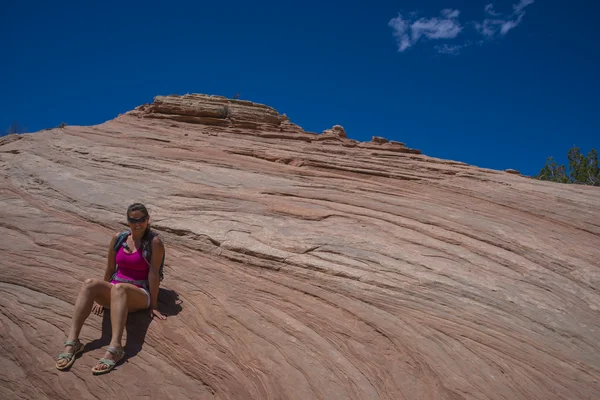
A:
[379,139]
[307,269]
[337,131]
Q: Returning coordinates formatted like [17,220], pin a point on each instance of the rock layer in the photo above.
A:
[297,267]
[215,110]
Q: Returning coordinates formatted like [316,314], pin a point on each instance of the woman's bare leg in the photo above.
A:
[124,298]
[92,290]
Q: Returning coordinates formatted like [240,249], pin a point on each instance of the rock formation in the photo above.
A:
[215,110]
[335,131]
[299,265]
[379,139]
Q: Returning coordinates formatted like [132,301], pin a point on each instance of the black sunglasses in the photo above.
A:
[136,220]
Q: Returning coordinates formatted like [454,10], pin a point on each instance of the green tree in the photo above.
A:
[582,169]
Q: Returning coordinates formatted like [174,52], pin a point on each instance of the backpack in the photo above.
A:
[146,249]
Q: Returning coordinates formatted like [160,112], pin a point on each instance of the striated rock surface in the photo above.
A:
[297,267]
[215,110]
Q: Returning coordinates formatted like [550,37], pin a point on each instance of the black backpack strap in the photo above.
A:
[121,238]
[147,247]
[147,253]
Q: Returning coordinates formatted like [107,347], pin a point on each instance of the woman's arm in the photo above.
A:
[108,272]
[158,250]
[111,265]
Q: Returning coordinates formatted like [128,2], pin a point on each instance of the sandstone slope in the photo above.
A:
[299,265]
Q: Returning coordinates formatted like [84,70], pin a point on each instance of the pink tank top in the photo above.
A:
[132,266]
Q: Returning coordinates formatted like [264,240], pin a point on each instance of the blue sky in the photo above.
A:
[498,84]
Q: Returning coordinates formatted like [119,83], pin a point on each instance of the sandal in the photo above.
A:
[77,346]
[118,353]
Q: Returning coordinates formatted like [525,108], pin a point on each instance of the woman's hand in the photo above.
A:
[156,313]
[97,309]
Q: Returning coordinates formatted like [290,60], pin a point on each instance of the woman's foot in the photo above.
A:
[113,355]
[66,359]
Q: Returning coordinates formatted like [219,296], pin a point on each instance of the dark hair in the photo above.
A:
[137,207]
[142,208]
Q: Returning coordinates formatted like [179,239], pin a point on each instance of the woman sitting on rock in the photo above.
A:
[131,287]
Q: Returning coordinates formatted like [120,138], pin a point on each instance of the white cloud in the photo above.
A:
[500,24]
[524,3]
[409,31]
[489,9]
[450,13]
[400,28]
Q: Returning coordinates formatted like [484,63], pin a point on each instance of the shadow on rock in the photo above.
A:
[169,302]
[137,324]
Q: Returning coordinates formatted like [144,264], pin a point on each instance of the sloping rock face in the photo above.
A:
[297,267]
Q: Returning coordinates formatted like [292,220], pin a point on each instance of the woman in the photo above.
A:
[131,287]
